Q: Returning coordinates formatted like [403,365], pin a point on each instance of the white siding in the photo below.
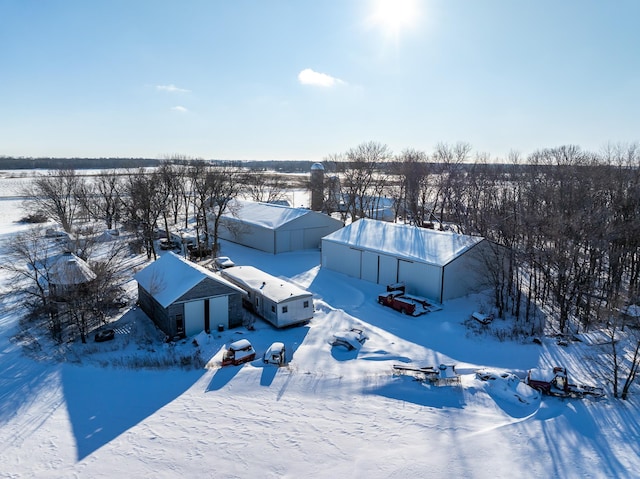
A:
[295,311]
[247,234]
[420,279]
[388,271]
[466,274]
[297,240]
[341,258]
[193,317]
[283,241]
[219,312]
[369,267]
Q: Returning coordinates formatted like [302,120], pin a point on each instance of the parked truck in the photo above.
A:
[397,298]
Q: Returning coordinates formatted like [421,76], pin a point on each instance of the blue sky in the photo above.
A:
[302,79]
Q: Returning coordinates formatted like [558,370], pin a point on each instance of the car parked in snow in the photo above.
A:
[352,339]
[104,335]
[223,262]
[166,244]
[239,352]
[276,354]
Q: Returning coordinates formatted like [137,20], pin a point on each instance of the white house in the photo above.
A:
[434,264]
[184,299]
[275,228]
[278,301]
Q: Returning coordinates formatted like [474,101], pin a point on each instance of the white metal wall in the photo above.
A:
[420,279]
[369,267]
[193,317]
[296,312]
[219,312]
[466,274]
[341,258]
[388,273]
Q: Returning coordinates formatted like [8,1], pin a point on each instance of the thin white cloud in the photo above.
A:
[310,77]
[179,109]
[171,89]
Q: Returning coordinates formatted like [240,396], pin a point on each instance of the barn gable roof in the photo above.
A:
[266,215]
[404,241]
[171,277]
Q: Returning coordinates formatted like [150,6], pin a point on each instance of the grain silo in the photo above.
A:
[317,186]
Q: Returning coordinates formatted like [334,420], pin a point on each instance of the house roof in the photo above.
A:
[274,288]
[267,215]
[171,276]
[70,270]
[404,241]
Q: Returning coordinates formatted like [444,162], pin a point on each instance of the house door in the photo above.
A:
[219,311]
[193,317]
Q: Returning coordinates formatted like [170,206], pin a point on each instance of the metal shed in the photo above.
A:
[434,264]
[275,228]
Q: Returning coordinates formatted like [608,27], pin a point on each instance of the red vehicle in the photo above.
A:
[396,301]
[239,352]
[404,303]
[555,382]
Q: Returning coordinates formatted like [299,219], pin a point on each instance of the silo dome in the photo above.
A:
[317,166]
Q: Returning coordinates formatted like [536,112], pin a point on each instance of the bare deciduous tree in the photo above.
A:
[54,195]
[100,196]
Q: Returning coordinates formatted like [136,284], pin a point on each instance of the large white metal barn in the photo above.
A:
[275,228]
[438,265]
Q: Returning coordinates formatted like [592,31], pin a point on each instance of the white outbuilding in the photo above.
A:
[438,265]
[275,228]
[277,300]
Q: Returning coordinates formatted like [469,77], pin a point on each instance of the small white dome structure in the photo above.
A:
[69,270]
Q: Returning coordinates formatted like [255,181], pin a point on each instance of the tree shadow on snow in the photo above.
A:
[408,389]
[566,423]
[103,402]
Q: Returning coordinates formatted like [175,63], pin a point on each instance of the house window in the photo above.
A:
[179,323]
[306,304]
[273,308]
[285,309]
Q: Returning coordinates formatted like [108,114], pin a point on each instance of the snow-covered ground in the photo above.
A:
[329,413]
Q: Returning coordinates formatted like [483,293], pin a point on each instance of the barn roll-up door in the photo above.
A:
[193,317]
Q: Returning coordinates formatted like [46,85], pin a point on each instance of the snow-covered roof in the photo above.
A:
[267,215]
[404,241]
[171,276]
[276,289]
[70,270]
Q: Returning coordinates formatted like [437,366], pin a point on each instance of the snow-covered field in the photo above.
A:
[329,413]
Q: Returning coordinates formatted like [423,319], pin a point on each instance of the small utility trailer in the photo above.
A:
[443,375]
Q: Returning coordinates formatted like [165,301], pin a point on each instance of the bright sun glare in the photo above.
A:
[395,16]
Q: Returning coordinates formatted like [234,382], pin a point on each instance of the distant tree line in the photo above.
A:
[45,163]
